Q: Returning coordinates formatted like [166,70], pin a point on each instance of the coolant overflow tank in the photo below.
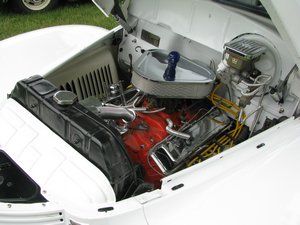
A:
[193,79]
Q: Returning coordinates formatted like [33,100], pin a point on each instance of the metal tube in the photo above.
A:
[175,132]
[108,112]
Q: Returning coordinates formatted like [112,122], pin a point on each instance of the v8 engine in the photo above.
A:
[164,124]
[164,134]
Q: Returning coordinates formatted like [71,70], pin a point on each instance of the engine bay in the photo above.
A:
[173,113]
[185,109]
[183,125]
[141,109]
[169,124]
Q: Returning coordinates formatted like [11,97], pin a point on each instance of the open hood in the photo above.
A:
[283,15]
[196,110]
[108,7]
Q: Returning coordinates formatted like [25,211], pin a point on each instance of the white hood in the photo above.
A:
[284,15]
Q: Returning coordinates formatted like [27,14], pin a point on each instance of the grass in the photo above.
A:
[68,13]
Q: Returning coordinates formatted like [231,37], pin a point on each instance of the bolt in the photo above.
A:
[32,106]
[281,110]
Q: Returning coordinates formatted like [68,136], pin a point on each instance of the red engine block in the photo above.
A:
[143,134]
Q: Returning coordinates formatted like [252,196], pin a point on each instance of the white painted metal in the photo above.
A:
[91,65]
[40,213]
[253,183]
[65,176]
[285,16]
[247,184]
[39,51]
[70,183]
[205,22]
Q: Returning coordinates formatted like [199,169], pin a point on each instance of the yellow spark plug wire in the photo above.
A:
[226,140]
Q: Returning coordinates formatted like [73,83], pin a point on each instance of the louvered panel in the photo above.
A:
[93,83]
